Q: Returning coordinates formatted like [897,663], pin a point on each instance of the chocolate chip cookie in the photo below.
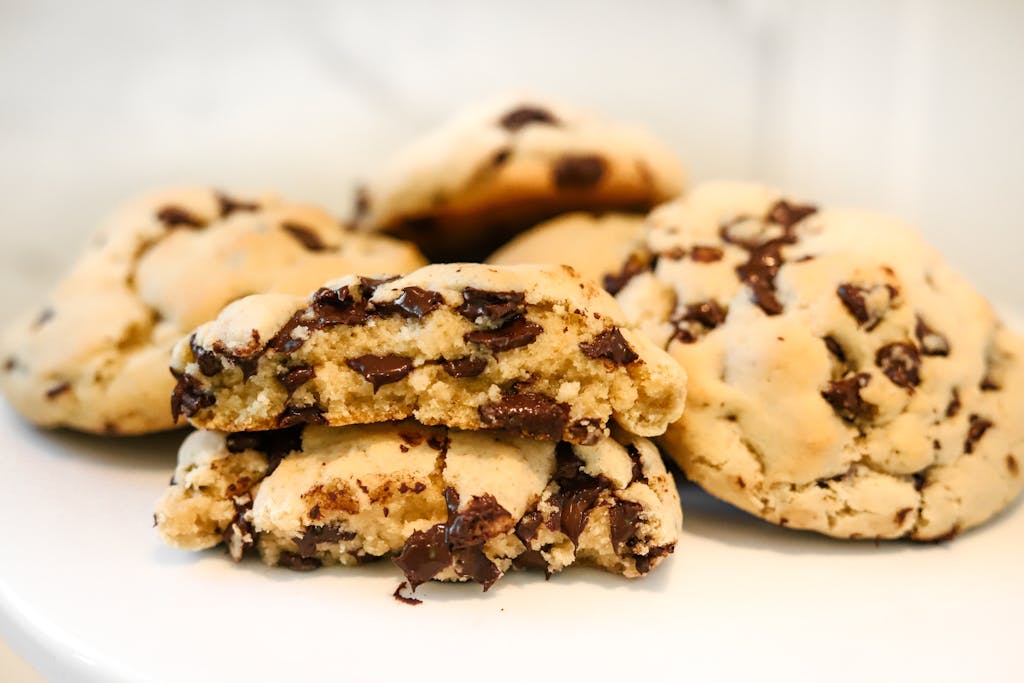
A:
[595,245]
[444,504]
[842,377]
[534,350]
[95,357]
[508,164]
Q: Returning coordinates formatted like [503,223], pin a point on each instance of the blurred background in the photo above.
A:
[908,106]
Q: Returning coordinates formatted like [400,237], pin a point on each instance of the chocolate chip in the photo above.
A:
[708,314]
[514,334]
[577,495]
[610,345]
[469,366]
[586,432]
[638,469]
[901,515]
[368,285]
[424,555]
[415,302]
[411,438]
[300,415]
[835,348]
[532,415]
[496,308]
[532,559]
[337,307]
[702,254]
[759,273]
[480,520]
[314,535]
[526,530]
[275,443]
[578,172]
[176,217]
[229,205]
[645,562]
[954,403]
[1011,465]
[189,397]
[787,215]
[408,600]
[294,377]
[381,370]
[977,428]
[625,523]
[239,535]
[297,562]
[208,361]
[852,297]
[306,236]
[932,343]
[901,363]
[636,263]
[57,389]
[473,564]
[844,397]
[525,115]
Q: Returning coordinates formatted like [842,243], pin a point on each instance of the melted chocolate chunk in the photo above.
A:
[638,468]
[526,530]
[481,519]
[188,397]
[578,172]
[57,389]
[526,115]
[415,302]
[787,215]
[636,263]
[336,307]
[470,366]
[532,559]
[702,254]
[513,334]
[978,426]
[368,285]
[586,431]
[844,397]
[239,535]
[381,370]
[645,562]
[297,562]
[301,415]
[901,363]
[577,495]
[473,564]
[177,217]
[610,345]
[314,535]
[229,205]
[408,600]
[625,523]
[494,307]
[852,297]
[835,348]
[759,273]
[532,415]
[306,236]
[295,377]
[209,363]
[954,403]
[932,343]
[275,443]
[424,555]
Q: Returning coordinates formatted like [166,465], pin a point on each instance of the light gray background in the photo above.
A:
[912,107]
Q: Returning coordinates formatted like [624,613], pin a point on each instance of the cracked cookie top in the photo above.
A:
[843,378]
[94,357]
[534,350]
[508,164]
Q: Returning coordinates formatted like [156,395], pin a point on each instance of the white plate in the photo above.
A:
[87,593]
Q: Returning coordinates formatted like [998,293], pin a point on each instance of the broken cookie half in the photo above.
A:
[532,350]
[444,504]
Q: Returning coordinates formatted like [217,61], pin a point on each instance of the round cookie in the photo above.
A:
[842,377]
[445,504]
[595,245]
[95,357]
[535,350]
[507,164]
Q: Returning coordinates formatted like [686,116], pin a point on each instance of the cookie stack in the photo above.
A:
[464,419]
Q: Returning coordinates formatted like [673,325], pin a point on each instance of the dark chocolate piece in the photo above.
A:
[835,348]
[314,535]
[610,345]
[57,389]
[852,297]
[844,397]
[229,205]
[954,403]
[514,334]
[705,254]
[473,564]
[494,307]
[525,115]
[209,363]
[638,468]
[240,528]
[624,519]
[586,431]
[578,172]
[424,555]
[532,415]
[408,600]
[294,377]
[932,343]
[526,529]
[381,370]
[306,236]
[176,217]
[1012,466]
[470,366]
[978,426]
[301,415]
[901,363]
[787,215]
[416,302]
[532,559]
[645,562]
[481,519]
[577,495]
[275,443]
[368,285]
[636,263]
[297,562]
[188,397]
